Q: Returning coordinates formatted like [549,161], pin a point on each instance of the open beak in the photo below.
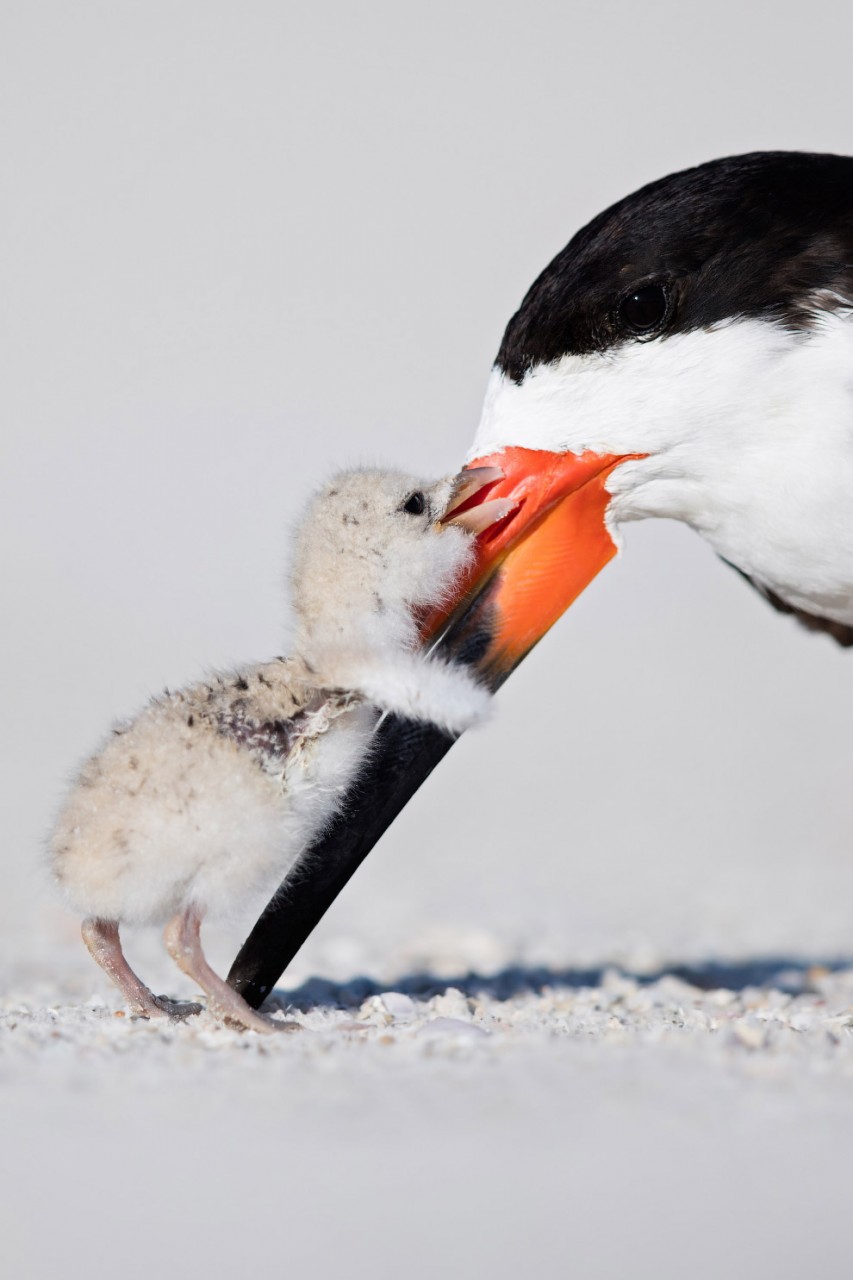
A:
[540,517]
[466,506]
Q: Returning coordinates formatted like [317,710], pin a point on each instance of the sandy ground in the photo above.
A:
[471,1122]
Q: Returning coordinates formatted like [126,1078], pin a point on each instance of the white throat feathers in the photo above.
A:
[748,428]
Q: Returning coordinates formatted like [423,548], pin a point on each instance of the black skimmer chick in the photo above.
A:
[689,354]
[212,792]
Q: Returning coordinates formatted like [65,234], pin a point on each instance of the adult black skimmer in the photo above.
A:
[689,354]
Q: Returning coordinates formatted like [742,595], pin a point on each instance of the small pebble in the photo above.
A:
[452,1004]
[451,1026]
[402,1008]
[749,1034]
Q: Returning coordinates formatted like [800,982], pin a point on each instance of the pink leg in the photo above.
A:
[101,937]
[183,942]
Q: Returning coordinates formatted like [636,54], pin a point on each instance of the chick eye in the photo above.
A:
[415,504]
[645,309]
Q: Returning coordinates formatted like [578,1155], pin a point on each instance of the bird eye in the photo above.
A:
[415,504]
[645,309]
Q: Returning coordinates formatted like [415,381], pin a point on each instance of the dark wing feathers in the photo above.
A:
[839,631]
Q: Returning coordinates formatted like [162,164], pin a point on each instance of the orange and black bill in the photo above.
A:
[539,518]
[546,540]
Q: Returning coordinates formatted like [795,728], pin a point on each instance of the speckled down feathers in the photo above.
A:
[177,808]
[210,795]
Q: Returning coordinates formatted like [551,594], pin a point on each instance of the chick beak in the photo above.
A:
[542,537]
[466,506]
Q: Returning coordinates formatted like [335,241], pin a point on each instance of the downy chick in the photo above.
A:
[211,793]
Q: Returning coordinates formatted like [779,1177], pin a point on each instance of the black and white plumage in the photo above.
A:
[211,793]
[706,322]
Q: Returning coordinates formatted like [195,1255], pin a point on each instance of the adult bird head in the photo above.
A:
[689,354]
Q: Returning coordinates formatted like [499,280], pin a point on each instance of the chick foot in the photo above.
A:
[102,939]
[174,1010]
[182,937]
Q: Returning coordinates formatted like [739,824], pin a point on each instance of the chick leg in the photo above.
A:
[183,942]
[102,939]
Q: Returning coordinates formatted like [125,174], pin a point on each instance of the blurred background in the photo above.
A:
[246,244]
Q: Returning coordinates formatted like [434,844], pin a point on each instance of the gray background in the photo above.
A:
[245,244]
